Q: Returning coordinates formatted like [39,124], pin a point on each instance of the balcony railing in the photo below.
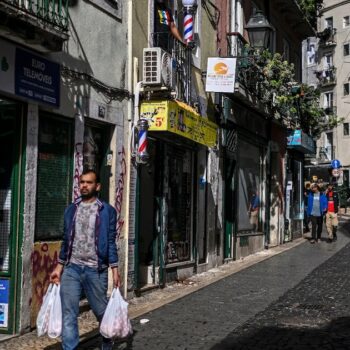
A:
[182,56]
[54,12]
[327,76]
[331,110]
[236,44]
[327,37]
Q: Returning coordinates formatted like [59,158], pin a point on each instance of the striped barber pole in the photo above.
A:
[142,141]
[188,28]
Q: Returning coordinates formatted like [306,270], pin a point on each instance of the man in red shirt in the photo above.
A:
[332,213]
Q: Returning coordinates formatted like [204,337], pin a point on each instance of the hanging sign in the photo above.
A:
[221,74]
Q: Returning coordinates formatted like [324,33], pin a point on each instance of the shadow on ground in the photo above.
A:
[334,336]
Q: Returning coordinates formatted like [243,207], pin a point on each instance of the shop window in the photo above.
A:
[54,188]
[249,190]
[346,129]
[179,204]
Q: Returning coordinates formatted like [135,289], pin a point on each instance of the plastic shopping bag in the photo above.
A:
[54,329]
[115,321]
[42,321]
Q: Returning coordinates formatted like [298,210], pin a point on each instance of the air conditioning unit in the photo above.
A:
[158,68]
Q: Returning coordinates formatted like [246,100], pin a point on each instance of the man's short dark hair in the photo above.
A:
[91,171]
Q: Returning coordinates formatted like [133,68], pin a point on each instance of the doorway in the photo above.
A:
[96,151]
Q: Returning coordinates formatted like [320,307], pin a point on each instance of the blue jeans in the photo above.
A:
[76,278]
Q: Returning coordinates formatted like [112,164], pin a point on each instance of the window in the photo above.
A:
[346,129]
[328,100]
[329,22]
[346,49]
[346,21]
[286,50]
[346,89]
[54,191]
[311,54]
[328,61]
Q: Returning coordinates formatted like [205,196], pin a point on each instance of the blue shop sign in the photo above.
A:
[4,302]
[37,78]
[300,141]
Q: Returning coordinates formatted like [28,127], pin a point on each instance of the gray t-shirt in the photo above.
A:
[316,209]
[83,250]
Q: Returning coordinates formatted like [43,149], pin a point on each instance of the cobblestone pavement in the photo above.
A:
[296,300]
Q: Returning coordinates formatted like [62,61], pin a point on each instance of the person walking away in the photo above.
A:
[88,248]
[316,208]
[332,213]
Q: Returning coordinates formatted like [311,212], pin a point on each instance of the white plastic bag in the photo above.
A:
[115,321]
[54,329]
[42,321]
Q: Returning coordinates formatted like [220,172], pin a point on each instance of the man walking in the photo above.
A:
[332,213]
[88,248]
[316,208]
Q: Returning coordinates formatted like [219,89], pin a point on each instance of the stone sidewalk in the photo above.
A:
[156,299]
[209,318]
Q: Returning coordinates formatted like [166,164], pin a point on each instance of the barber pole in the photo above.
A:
[142,153]
[188,27]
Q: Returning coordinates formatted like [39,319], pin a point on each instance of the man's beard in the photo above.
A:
[89,195]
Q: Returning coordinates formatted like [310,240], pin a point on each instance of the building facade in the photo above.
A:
[63,99]
[326,65]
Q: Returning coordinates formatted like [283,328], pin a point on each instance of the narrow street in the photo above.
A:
[296,300]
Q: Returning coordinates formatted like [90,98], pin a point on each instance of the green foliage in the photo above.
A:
[272,80]
[311,8]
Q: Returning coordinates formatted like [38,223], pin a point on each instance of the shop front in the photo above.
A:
[171,238]
[245,145]
[11,205]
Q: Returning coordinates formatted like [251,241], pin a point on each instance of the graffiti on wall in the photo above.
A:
[44,260]
[120,191]
[78,156]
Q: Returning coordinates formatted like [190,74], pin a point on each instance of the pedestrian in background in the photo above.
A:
[88,248]
[316,208]
[306,216]
[332,213]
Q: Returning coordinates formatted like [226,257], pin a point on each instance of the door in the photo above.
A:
[230,165]
[10,209]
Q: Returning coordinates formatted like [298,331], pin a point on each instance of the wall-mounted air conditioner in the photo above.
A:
[158,68]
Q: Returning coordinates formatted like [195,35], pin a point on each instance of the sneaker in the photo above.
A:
[312,241]
[329,240]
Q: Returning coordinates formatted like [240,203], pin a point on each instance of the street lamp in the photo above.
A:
[188,19]
[259,29]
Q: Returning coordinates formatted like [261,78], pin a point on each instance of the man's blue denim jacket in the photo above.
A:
[105,234]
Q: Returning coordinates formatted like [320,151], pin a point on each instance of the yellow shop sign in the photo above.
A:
[180,119]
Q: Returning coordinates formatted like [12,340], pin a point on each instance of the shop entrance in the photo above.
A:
[166,211]
[10,208]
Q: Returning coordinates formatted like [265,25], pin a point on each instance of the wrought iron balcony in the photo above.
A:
[331,110]
[327,37]
[42,24]
[327,77]
[180,69]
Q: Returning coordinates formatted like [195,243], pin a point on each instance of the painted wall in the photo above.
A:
[44,260]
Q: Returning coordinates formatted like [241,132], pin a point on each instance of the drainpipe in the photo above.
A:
[128,158]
